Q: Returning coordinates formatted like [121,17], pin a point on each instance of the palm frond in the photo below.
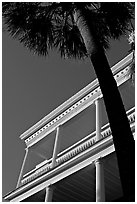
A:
[42,26]
[108,20]
[117,16]
[68,38]
[31,24]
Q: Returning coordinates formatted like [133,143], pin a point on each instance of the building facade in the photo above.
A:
[70,155]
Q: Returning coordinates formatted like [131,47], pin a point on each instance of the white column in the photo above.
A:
[56,147]
[22,168]
[98,120]
[49,194]
[100,186]
[49,189]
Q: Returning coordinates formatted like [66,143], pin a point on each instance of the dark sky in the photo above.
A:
[32,87]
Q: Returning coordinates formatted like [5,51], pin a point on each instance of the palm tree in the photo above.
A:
[83,30]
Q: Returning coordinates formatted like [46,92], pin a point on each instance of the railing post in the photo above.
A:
[100,186]
[56,147]
[22,168]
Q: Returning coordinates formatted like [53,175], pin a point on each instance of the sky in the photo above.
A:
[33,86]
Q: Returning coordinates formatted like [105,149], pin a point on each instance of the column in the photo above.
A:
[100,187]
[49,189]
[56,147]
[49,194]
[98,120]
[22,168]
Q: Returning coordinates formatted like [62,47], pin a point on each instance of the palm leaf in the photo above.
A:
[117,17]
[31,24]
[42,26]
[68,38]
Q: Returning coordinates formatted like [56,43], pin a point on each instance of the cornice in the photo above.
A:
[73,104]
[74,109]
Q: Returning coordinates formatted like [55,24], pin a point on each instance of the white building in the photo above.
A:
[69,154]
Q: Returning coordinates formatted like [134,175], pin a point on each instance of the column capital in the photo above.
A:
[59,127]
[97,99]
[98,160]
[50,187]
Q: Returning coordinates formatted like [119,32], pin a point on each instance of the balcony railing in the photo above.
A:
[75,150]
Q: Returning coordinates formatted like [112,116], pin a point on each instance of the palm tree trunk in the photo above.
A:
[122,135]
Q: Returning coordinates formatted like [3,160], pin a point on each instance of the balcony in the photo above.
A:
[74,152]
